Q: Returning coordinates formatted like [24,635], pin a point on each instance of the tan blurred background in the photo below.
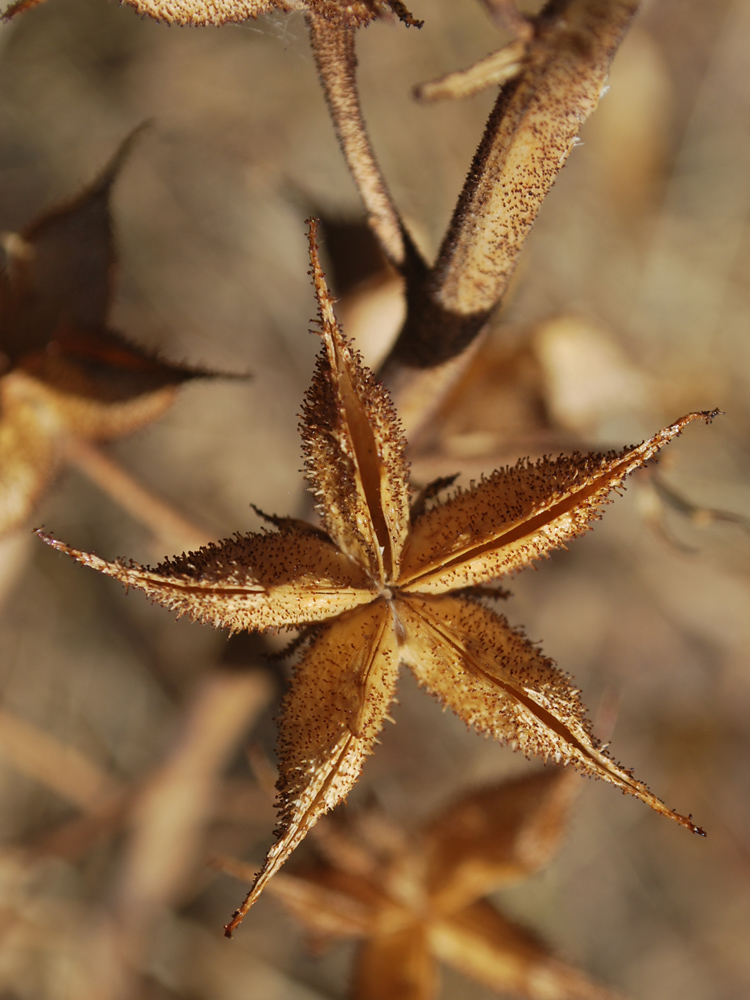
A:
[631,307]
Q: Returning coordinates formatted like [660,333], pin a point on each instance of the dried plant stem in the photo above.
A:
[74,838]
[175,798]
[496,69]
[507,16]
[335,57]
[173,809]
[161,519]
[421,392]
[62,769]
[529,135]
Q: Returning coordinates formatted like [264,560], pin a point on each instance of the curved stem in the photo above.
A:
[333,50]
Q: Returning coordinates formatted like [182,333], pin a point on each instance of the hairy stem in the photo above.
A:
[529,135]
[333,49]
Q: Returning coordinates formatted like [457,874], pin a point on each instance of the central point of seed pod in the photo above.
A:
[386,593]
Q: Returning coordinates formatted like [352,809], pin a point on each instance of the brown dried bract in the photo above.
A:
[390,586]
[63,373]
[348,13]
[416,902]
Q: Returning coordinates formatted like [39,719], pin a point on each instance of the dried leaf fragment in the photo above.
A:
[384,592]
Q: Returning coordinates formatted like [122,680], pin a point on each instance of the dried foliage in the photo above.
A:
[122,731]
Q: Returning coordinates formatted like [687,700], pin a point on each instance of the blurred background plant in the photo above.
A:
[629,308]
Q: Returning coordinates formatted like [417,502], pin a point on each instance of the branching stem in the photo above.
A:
[529,135]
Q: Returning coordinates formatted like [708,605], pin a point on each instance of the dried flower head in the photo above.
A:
[415,901]
[63,372]
[389,582]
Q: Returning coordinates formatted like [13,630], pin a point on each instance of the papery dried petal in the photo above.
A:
[354,449]
[494,836]
[483,944]
[496,680]
[253,582]
[519,514]
[330,720]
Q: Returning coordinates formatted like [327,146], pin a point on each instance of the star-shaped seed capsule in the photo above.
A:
[64,373]
[388,582]
[415,901]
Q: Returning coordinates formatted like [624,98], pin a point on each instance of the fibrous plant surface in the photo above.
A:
[640,235]
[390,582]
